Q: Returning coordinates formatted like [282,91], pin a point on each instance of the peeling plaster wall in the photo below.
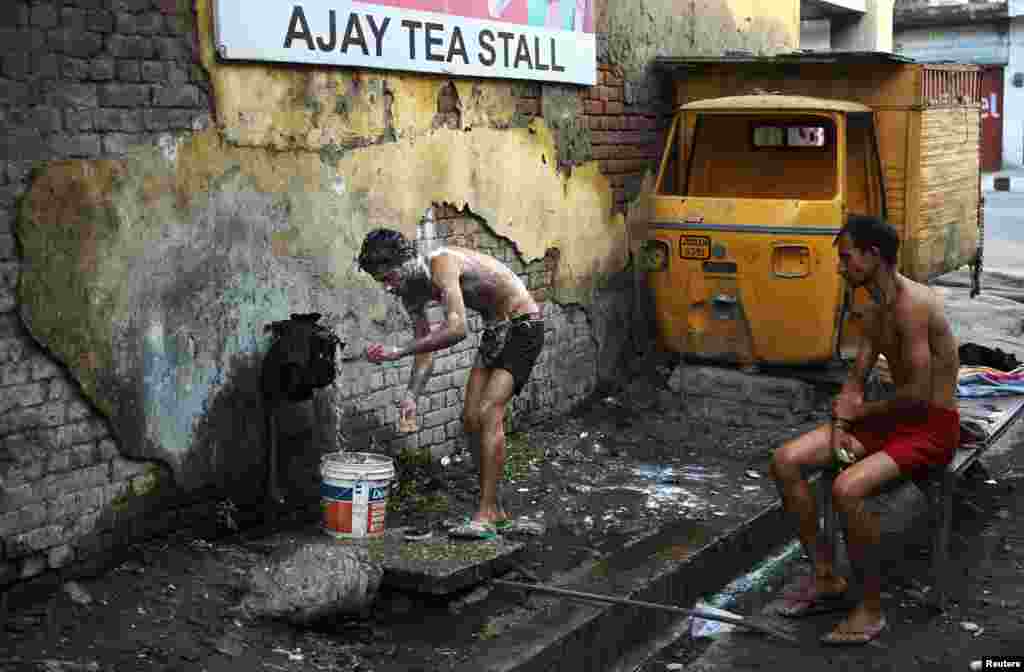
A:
[151,276]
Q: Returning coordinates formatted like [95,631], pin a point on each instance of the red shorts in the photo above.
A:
[913,439]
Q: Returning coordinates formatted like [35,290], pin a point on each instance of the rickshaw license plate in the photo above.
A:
[695,247]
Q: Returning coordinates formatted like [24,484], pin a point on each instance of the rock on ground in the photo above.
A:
[316,580]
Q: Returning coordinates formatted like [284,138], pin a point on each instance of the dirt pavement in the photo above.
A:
[985,616]
[595,482]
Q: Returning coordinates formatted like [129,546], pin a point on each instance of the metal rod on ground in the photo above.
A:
[647,605]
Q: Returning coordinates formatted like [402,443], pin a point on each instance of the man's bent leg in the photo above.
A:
[499,390]
[850,491]
[811,449]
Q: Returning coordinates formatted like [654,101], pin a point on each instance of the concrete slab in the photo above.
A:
[437,566]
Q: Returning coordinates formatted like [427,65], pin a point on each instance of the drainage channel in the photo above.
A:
[687,638]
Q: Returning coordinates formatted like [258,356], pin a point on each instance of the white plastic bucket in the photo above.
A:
[354,493]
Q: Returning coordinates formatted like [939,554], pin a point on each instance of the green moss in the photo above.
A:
[489,631]
[120,503]
[332,153]
[520,456]
[342,106]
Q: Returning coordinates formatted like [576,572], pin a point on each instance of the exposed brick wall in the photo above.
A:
[564,375]
[78,79]
[628,124]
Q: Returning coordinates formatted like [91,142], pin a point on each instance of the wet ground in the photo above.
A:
[984,618]
[611,476]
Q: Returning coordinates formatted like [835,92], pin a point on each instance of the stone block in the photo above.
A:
[125,23]
[726,412]
[107,449]
[76,95]
[129,71]
[439,382]
[8,573]
[20,520]
[149,23]
[52,414]
[118,144]
[312,580]
[44,15]
[8,299]
[760,415]
[60,388]
[117,119]
[124,95]
[60,556]
[133,6]
[87,524]
[74,504]
[131,46]
[33,565]
[85,455]
[439,417]
[717,382]
[75,43]
[39,539]
[58,463]
[14,373]
[78,410]
[102,69]
[80,145]
[172,49]
[16,65]
[73,18]
[160,120]
[783,392]
[122,469]
[443,449]
[100,21]
[47,120]
[14,13]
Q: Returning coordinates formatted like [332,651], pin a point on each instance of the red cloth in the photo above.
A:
[913,439]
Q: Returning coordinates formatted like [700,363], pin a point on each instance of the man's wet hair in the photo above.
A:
[867,231]
[384,249]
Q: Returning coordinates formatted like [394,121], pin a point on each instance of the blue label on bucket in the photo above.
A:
[343,494]
[335,492]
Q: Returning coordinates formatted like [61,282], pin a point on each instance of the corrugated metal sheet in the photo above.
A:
[794,57]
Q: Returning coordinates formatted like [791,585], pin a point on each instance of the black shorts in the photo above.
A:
[513,346]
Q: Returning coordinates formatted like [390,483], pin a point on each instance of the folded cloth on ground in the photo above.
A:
[981,381]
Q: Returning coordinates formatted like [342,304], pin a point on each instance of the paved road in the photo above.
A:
[1004,230]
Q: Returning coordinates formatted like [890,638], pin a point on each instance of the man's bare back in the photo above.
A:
[487,285]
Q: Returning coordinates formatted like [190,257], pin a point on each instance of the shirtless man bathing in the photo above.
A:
[513,336]
[918,427]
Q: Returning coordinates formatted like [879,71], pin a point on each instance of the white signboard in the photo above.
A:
[547,40]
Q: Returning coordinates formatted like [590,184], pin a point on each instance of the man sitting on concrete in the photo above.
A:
[918,427]
[512,339]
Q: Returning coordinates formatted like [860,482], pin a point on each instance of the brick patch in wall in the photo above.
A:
[628,125]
